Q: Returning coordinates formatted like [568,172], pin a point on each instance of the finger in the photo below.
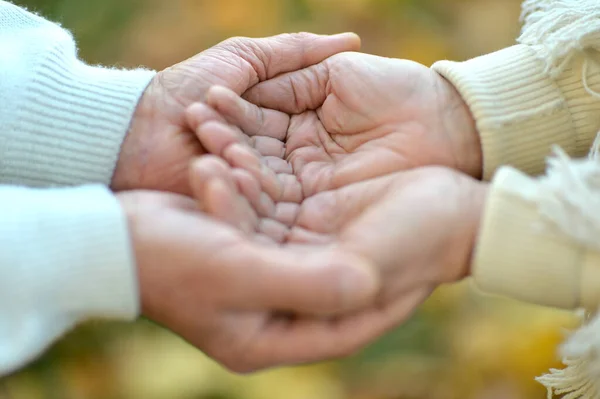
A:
[248,117]
[240,156]
[200,113]
[306,340]
[305,280]
[268,146]
[286,213]
[294,92]
[291,189]
[220,198]
[273,229]
[201,171]
[216,136]
[222,203]
[278,165]
[275,55]
[250,188]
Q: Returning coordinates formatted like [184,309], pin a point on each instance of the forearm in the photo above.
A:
[61,122]
[65,257]
[531,96]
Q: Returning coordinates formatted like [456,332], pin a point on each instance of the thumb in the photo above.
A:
[294,92]
[289,52]
[304,279]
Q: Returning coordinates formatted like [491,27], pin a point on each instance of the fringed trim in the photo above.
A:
[564,28]
[581,377]
[569,196]
[571,191]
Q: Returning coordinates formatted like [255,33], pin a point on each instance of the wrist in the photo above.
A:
[133,208]
[478,199]
[474,201]
[131,163]
[461,128]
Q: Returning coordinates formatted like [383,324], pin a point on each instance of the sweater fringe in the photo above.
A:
[580,379]
[561,30]
[571,199]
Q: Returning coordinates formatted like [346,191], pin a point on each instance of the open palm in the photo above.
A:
[416,228]
[160,146]
[352,117]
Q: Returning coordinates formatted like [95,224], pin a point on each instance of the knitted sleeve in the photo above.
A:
[540,237]
[65,254]
[62,122]
[65,257]
[542,92]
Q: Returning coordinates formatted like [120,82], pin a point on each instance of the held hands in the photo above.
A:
[159,147]
[350,118]
[417,228]
[231,295]
[297,171]
[333,137]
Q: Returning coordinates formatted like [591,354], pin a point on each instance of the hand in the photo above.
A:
[417,228]
[229,295]
[354,117]
[159,147]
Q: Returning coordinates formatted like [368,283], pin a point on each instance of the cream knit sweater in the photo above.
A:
[540,237]
[64,252]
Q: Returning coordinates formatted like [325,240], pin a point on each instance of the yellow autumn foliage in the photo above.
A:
[460,345]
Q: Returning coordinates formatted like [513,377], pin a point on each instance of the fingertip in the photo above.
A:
[216,136]
[196,171]
[191,115]
[209,163]
[218,199]
[352,39]
[216,95]
[199,113]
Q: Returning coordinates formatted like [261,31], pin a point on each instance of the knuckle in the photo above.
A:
[305,36]
[235,41]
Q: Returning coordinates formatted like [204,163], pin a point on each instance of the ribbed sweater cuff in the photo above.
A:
[520,110]
[72,121]
[519,256]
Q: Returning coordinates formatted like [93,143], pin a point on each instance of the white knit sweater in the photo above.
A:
[64,252]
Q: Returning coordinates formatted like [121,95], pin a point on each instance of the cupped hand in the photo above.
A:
[159,147]
[417,228]
[241,300]
[350,118]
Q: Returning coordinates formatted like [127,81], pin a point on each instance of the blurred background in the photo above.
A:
[460,345]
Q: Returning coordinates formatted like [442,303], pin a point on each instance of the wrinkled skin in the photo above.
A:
[159,147]
[350,118]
